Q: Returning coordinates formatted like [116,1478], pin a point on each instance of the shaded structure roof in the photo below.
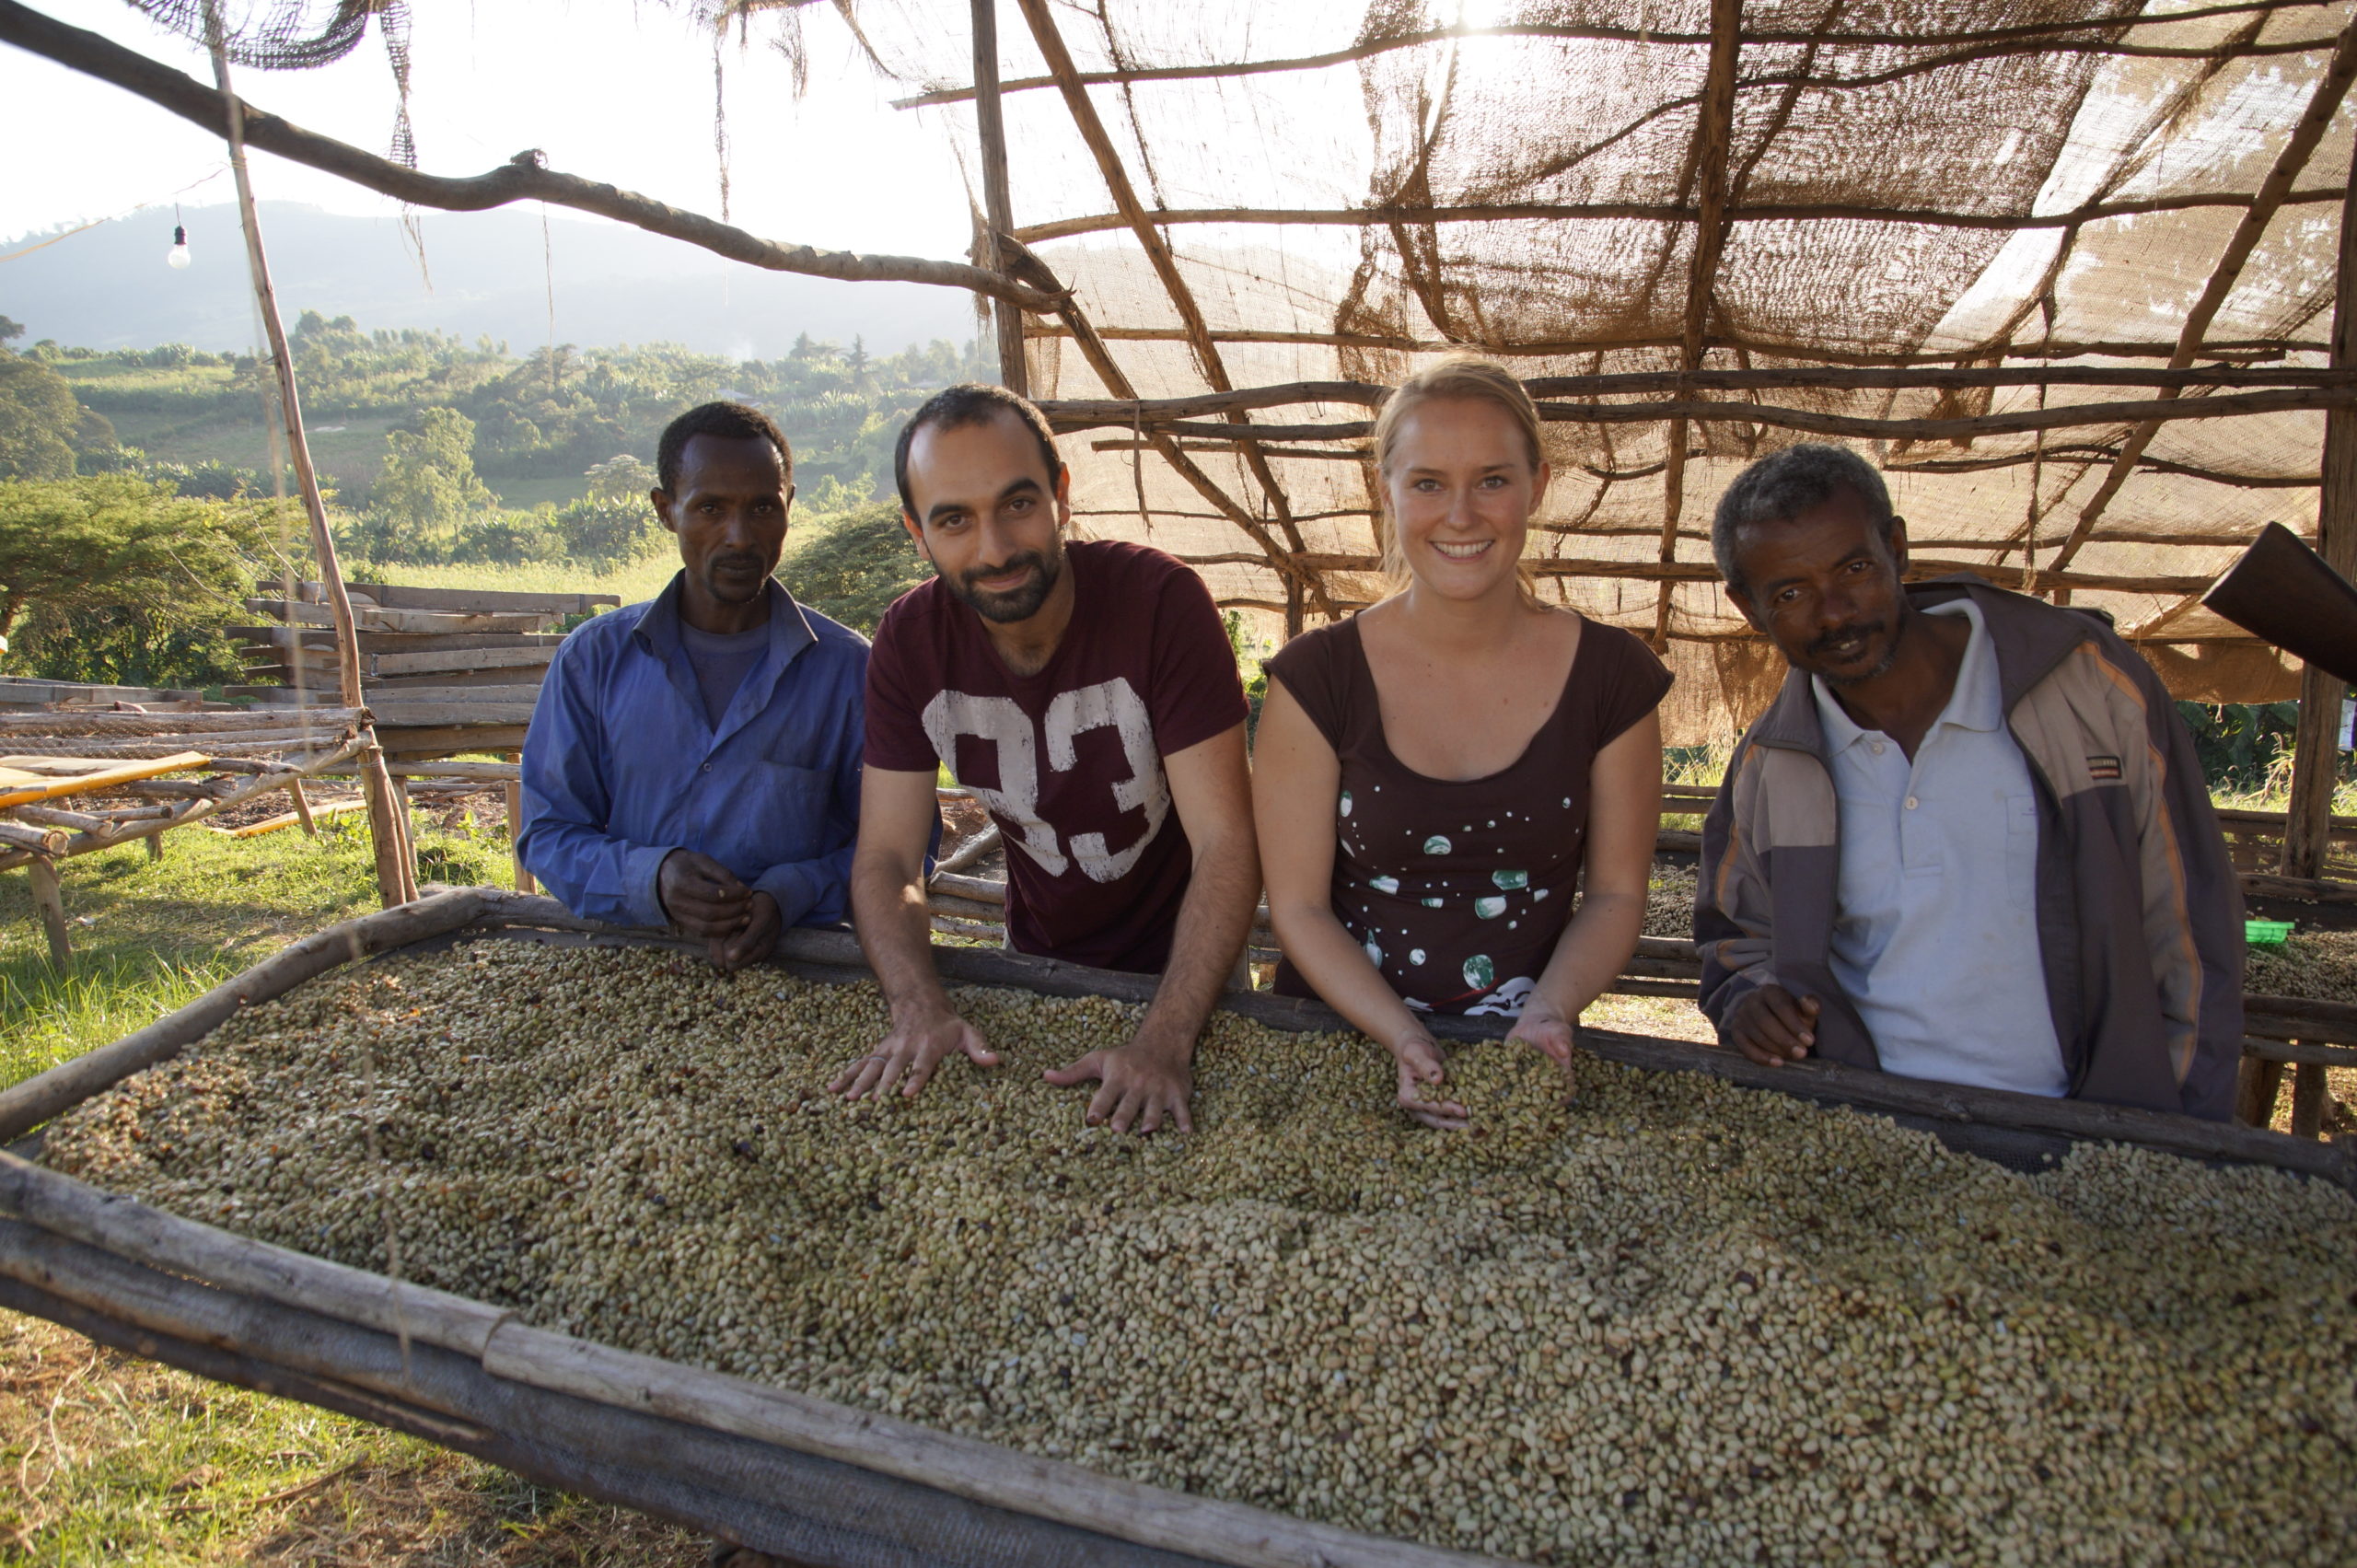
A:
[2065,269]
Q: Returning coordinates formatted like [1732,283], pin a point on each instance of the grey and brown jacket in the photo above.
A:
[2139,910]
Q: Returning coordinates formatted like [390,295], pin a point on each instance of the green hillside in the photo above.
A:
[137,509]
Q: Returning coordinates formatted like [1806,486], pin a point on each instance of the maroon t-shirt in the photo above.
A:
[1069,760]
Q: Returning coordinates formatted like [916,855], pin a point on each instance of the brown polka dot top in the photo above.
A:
[1460,888]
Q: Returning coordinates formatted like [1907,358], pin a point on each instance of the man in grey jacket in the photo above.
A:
[1969,841]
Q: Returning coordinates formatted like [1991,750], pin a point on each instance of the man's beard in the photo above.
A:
[1022,603]
[1881,666]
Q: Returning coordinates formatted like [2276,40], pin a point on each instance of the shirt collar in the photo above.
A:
[789,630]
[1974,702]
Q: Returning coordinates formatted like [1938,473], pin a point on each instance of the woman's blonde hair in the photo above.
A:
[1456,377]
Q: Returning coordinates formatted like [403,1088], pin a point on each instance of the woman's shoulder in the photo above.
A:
[1317,655]
[1615,651]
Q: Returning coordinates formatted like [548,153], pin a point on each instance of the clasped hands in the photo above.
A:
[1143,1083]
[705,899]
[1541,1023]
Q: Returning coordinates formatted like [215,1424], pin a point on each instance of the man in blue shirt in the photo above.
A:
[694,760]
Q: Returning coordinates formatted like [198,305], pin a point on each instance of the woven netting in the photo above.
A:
[298,35]
[1903,184]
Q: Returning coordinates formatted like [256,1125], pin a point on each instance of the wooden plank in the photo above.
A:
[384,699]
[395,596]
[1231,1533]
[448,740]
[381,620]
[2285,1050]
[802,1509]
[312,641]
[100,775]
[406,714]
[434,662]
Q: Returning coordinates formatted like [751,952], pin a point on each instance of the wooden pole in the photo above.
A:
[513,790]
[302,806]
[387,815]
[998,212]
[2316,754]
[49,897]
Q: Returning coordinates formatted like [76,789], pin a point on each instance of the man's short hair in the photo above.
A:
[973,403]
[732,421]
[1782,485]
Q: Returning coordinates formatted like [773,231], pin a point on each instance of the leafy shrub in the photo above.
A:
[115,579]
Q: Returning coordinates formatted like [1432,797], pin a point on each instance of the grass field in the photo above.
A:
[110,1460]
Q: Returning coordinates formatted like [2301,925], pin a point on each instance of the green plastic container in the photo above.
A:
[2267,934]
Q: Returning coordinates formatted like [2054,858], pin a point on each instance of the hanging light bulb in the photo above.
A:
[176,257]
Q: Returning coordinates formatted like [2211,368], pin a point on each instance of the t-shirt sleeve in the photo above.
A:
[1197,693]
[897,690]
[1308,668]
[1632,683]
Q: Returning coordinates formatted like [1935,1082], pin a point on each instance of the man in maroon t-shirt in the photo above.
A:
[1088,696]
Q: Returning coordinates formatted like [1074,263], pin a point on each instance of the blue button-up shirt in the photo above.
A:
[1937,937]
[621,766]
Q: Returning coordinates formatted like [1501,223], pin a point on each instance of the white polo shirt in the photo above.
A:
[1935,937]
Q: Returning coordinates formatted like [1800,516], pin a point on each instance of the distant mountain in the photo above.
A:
[491,276]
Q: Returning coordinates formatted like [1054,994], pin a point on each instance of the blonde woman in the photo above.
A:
[1431,776]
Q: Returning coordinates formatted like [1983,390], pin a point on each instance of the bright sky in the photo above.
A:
[617,91]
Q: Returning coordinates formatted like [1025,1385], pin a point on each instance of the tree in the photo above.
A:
[39,421]
[427,485]
[615,522]
[114,578]
[10,330]
[853,566]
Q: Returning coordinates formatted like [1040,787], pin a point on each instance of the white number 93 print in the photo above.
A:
[1009,730]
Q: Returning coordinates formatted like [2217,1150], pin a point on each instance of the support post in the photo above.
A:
[2256,1091]
[2308,1100]
[2315,746]
[390,832]
[513,789]
[998,212]
[49,897]
[302,806]
[388,829]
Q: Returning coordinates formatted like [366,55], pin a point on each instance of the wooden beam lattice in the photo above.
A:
[1389,215]
[2331,86]
[1092,131]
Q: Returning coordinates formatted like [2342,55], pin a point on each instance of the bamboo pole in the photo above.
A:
[2243,350]
[1077,413]
[1708,163]
[386,821]
[998,212]
[2316,741]
[2015,422]
[1392,215]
